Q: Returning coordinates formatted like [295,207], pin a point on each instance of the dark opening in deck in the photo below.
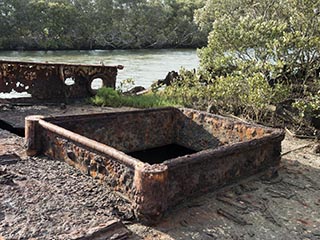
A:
[160,154]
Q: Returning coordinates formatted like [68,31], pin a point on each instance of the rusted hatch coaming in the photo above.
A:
[100,145]
[54,80]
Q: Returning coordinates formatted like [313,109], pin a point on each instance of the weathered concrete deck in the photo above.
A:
[45,199]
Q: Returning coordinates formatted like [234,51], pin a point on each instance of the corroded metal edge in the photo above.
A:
[54,81]
[150,192]
[120,67]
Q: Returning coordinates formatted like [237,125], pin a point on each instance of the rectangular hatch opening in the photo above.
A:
[161,154]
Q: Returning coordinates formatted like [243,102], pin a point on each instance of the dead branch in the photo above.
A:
[296,149]
[299,136]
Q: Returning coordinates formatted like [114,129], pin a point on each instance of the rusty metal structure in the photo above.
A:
[54,81]
[224,150]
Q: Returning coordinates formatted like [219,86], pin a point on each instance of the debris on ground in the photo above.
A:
[41,198]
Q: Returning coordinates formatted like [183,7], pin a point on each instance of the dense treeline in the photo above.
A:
[99,24]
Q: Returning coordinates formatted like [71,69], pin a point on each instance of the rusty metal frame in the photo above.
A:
[47,81]
[154,188]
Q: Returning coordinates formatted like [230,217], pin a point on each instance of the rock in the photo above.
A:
[63,106]
[135,91]
[7,159]
[171,76]
[169,79]
[316,148]
[316,233]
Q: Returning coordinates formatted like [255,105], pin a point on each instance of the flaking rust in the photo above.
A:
[54,81]
[100,145]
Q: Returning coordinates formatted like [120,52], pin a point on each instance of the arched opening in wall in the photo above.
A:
[69,81]
[96,84]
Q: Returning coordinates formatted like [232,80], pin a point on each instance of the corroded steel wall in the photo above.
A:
[96,164]
[126,131]
[50,81]
[227,150]
[210,131]
[214,169]
[233,150]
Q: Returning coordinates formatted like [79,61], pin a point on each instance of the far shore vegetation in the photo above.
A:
[259,59]
[99,24]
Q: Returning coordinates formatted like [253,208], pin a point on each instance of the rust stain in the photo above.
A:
[97,144]
[51,81]
[304,222]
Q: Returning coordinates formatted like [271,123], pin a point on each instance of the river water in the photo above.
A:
[144,66]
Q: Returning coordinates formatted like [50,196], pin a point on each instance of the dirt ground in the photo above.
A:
[45,199]
[283,205]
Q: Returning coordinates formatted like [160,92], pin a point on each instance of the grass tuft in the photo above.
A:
[112,98]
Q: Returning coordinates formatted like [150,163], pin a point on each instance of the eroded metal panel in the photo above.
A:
[49,81]
[226,151]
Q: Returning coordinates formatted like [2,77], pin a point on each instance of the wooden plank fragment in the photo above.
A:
[233,217]
[113,229]
[231,202]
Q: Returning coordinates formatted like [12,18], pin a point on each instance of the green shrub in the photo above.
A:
[280,37]
[112,98]
[236,93]
[107,97]
[259,53]
[309,106]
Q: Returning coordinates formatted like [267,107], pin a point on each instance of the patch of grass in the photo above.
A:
[112,98]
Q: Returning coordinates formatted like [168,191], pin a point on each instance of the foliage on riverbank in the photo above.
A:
[99,24]
[262,61]
[247,94]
